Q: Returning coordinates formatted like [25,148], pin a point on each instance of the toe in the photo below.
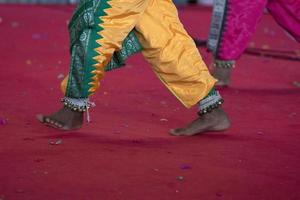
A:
[50,122]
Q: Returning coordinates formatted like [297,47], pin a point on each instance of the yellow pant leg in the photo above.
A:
[172,53]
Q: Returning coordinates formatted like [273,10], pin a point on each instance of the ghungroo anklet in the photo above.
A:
[78,105]
[224,64]
[211,102]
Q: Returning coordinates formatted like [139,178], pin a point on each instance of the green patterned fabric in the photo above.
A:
[83,33]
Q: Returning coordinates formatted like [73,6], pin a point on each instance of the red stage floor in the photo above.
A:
[126,153]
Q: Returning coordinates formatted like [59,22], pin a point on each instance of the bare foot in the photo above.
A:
[63,119]
[223,75]
[216,120]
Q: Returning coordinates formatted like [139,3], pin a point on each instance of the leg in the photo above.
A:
[178,64]
[228,38]
[173,54]
[211,117]
[97,30]
[222,71]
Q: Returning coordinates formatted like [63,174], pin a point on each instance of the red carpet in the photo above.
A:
[126,153]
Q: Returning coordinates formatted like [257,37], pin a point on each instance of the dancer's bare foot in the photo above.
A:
[216,120]
[63,119]
[223,75]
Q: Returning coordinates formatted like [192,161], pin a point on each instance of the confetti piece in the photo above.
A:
[60,76]
[163,120]
[39,36]
[185,167]
[15,24]
[260,133]
[163,103]
[57,142]
[180,178]
[28,62]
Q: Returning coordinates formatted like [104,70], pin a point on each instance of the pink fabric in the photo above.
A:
[287,15]
[243,16]
[240,24]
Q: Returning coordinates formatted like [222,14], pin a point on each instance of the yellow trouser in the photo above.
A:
[166,46]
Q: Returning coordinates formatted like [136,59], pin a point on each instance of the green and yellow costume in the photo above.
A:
[103,33]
